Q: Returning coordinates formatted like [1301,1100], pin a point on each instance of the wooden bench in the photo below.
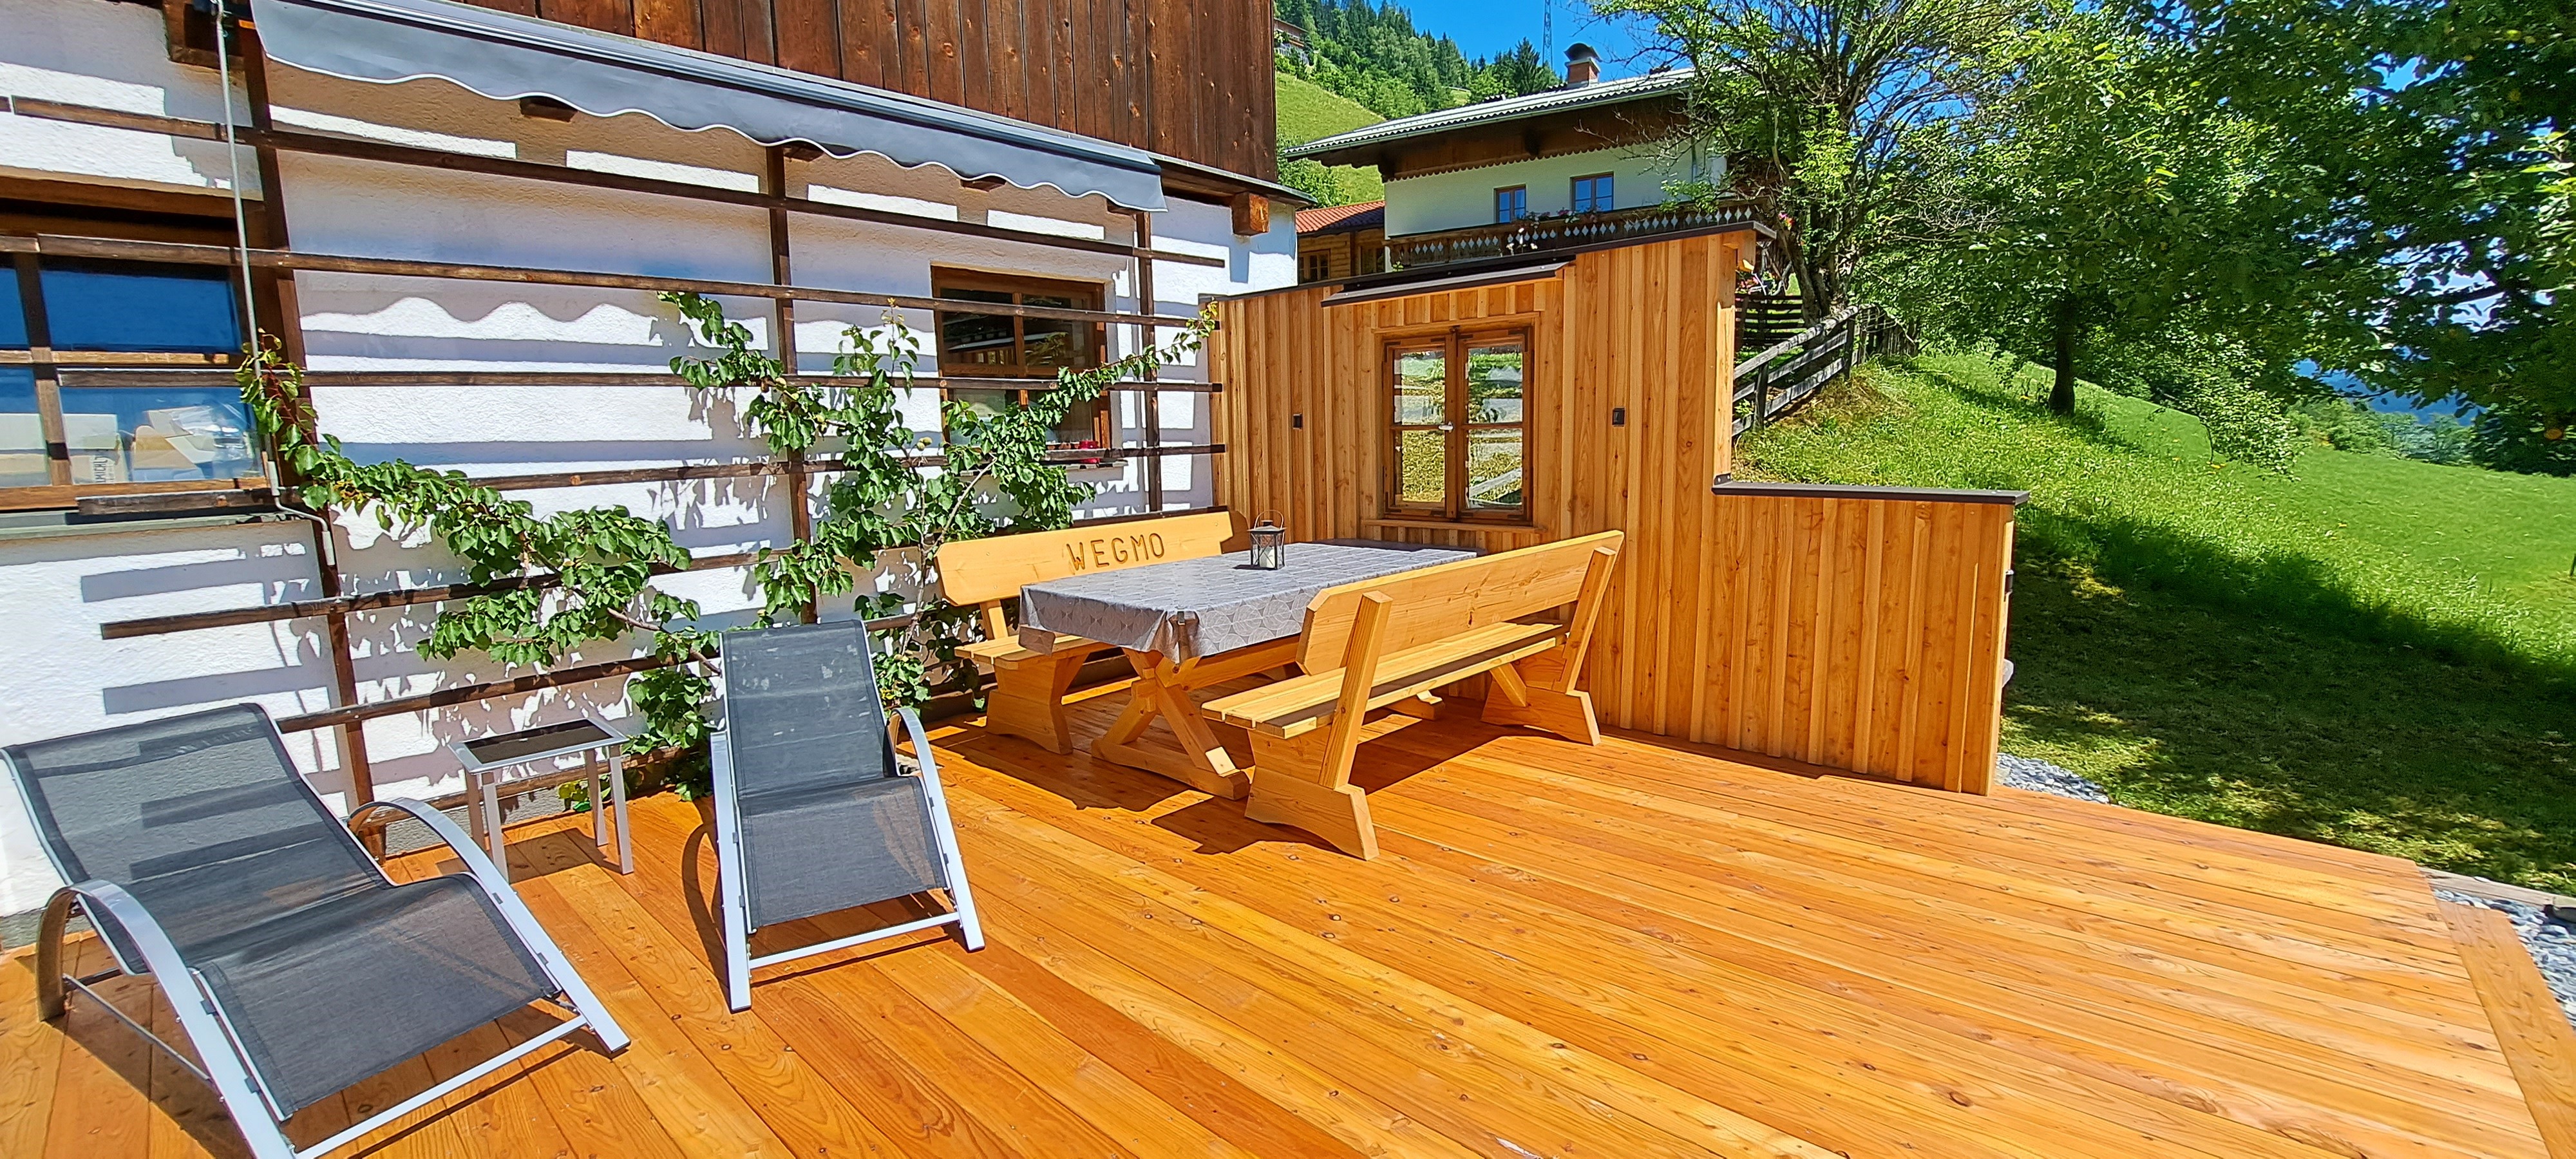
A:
[1382,642]
[1027,699]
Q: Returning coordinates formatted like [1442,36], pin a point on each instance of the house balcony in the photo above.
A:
[1568,232]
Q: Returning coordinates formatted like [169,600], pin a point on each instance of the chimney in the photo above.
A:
[1582,66]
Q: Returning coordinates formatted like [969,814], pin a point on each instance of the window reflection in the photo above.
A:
[157,436]
[128,308]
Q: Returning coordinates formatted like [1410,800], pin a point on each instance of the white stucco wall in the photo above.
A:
[1465,197]
[61,678]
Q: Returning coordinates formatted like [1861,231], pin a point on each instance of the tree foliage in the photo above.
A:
[2438,133]
[1842,112]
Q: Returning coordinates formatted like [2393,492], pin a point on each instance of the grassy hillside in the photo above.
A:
[2375,652]
[1308,113]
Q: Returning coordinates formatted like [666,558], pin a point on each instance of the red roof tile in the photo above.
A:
[1341,218]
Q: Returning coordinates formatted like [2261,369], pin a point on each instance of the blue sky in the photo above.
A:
[1487,27]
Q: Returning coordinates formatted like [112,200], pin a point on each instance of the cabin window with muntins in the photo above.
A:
[1001,346]
[1593,194]
[1511,203]
[1458,430]
[56,313]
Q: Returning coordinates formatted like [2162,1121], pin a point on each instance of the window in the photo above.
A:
[118,314]
[1511,203]
[1315,266]
[1592,194]
[1000,346]
[1458,434]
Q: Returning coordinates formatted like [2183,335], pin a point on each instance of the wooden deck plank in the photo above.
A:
[2286,898]
[1854,948]
[31,1054]
[2538,1042]
[2426,978]
[100,1105]
[658,942]
[1636,949]
[2356,901]
[1358,918]
[1692,833]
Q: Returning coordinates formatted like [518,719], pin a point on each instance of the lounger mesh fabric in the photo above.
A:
[262,891]
[827,823]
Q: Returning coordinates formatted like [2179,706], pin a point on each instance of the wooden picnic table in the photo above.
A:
[1189,624]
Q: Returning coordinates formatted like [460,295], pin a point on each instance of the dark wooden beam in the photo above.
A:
[181,375]
[186,254]
[318,144]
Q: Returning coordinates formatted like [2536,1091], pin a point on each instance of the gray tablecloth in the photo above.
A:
[1202,607]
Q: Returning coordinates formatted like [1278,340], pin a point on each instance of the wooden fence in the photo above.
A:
[1784,376]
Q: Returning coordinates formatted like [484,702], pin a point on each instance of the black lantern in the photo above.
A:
[1269,545]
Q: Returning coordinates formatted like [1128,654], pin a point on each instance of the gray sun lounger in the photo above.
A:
[813,814]
[296,967]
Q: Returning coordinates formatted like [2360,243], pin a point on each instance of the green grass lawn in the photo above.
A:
[2375,652]
[1308,113]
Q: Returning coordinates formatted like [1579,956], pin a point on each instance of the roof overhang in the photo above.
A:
[1436,280]
[507,56]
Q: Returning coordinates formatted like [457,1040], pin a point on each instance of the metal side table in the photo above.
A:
[515,758]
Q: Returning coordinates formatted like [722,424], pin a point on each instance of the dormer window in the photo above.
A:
[1593,194]
[1511,203]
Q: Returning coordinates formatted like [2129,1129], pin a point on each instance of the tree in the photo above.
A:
[2438,130]
[2124,216]
[1827,106]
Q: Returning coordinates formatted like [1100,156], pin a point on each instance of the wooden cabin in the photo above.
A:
[1586,383]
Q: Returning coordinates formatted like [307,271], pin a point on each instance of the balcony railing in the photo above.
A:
[1544,234]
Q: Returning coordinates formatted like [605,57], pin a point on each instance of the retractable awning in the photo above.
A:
[506,56]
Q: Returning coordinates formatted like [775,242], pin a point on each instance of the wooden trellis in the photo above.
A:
[274,266]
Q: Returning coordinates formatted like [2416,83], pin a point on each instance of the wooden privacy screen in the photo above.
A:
[1854,633]
[1861,634]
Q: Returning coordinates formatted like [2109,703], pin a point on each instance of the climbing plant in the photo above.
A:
[895,498]
[898,495]
[601,558]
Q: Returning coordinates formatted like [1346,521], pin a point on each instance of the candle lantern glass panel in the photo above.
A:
[1269,545]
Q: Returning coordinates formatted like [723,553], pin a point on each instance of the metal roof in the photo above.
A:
[1508,109]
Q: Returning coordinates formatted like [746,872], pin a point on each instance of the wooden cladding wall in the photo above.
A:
[1189,80]
[1857,634]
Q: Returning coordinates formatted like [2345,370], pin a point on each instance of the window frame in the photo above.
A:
[1520,200]
[1453,345]
[1091,295]
[1576,198]
[46,365]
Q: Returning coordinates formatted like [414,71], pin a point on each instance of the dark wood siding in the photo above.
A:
[1188,79]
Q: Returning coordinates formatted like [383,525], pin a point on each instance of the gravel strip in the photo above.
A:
[2042,777]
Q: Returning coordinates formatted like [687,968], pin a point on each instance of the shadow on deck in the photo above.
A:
[1625,951]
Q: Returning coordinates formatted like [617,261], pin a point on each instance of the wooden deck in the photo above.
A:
[1625,951]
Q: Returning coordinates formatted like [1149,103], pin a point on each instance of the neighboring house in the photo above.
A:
[459,217]
[1340,241]
[1593,152]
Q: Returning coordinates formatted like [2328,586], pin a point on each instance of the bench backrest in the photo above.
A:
[1444,600]
[987,571]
